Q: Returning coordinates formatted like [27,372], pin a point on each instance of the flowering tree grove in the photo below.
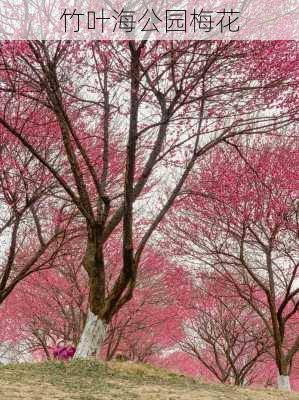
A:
[245,230]
[119,126]
[46,315]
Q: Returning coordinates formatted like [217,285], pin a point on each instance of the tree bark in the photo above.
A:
[93,336]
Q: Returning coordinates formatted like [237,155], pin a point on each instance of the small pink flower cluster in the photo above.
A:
[63,353]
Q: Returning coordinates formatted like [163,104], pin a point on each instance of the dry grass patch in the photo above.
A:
[91,380]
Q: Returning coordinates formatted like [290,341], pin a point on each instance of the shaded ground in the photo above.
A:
[89,380]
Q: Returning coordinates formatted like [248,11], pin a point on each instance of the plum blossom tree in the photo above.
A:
[30,243]
[48,310]
[241,221]
[224,334]
[124,123]
[147,324]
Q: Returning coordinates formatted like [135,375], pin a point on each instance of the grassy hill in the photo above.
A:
[90,380]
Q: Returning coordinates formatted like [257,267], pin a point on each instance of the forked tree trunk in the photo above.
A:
[93,336]
[283,382]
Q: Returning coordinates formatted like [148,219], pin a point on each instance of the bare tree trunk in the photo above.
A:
[92,337]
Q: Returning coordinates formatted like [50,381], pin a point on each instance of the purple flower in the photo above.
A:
[63,353]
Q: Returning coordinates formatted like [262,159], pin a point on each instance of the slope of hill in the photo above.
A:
[90,380]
